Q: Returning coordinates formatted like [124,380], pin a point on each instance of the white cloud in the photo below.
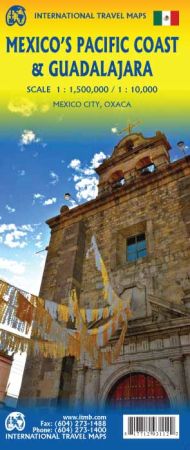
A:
[38,239]
[27,227]
[39,236]
[85,178]
[13,239]
[87,188]
[14,236]
[54,178]
[10,265]
[88,171]
[10,209]
[36,196]
[7,227]
[50,201]
[39,197]
[12,227]
[75,164]
[76,178]
[114,130]
[27,108]
[24,107]
[28,137]
[97,159]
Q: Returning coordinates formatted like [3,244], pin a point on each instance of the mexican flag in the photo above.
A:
[166,18]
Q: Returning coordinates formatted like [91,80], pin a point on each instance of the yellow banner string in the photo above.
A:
[31,309]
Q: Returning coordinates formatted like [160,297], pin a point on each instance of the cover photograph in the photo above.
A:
[94,224]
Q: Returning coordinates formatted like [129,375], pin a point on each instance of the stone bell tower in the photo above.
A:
[133,156]
[140,220]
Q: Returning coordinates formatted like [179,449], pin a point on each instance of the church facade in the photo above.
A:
[141,222]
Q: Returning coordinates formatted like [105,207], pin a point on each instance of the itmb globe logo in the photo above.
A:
[16,15]
[15,420]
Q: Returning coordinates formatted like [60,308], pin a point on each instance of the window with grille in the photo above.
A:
[136,247]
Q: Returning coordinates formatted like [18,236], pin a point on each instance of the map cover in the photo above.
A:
[94,224]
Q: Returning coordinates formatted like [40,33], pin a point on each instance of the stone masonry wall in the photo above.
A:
[159,208]
[161,212]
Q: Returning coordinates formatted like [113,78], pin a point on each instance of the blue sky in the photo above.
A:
[38,165]
[36,170]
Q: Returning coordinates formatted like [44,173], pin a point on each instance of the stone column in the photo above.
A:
[92,386]
[186,363]
[80,384]
[67,244]
[180,379]
[96,383]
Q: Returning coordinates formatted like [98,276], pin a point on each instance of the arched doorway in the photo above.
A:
[138,388]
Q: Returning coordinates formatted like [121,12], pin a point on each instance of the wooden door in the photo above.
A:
[138,388]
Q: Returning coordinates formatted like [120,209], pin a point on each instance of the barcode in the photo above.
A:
[150,426]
